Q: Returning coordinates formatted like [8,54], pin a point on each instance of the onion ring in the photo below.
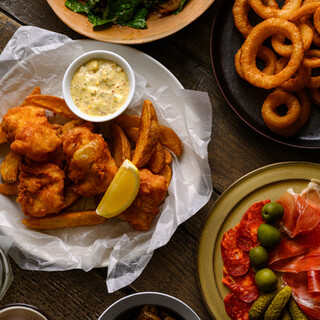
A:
[240,11]
[251,45]
[298,81]
[312,58]
[306,9]
[265,54]
[274,121]
[316,19]
[285,50]
[316,35]
[270,12]
[315,96]
[314,82]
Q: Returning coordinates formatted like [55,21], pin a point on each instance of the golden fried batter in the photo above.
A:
[36,141]
[152,191]
[90,164]
[20,117]
[41,189]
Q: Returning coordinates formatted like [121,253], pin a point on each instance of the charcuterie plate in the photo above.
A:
[268,182]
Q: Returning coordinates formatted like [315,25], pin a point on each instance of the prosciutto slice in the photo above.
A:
[298,254]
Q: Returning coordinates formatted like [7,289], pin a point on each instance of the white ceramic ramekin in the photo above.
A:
[77,63]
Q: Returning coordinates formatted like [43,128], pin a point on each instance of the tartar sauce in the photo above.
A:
[99,87]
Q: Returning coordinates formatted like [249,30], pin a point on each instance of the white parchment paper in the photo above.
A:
[39,57]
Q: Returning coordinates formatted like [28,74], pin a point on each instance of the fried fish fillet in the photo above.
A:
[152,191]
[41,189]
[90,164]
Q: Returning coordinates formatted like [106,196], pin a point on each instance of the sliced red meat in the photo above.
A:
[235,260]
[244,287]
[309,216]
[248,226]
[299,285]
[291,214]
[236,308]
[292,247]
[313,278]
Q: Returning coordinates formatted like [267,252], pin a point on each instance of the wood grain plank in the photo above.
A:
[37,13]
[71,295]
[7,28]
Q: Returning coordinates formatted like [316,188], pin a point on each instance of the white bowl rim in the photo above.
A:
[162,300]
[79,61]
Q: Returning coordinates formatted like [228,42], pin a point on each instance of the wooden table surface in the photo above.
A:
[234,150]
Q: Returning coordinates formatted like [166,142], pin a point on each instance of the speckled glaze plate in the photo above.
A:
[158,27]
[245,99]
[268,182]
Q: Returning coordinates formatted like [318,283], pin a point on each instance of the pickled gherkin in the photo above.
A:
[295,311]
[259,307]
[286,315]
[278,304]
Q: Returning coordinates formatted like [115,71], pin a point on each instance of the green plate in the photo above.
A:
[268,182]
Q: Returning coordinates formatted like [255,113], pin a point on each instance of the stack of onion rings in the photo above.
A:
[288,66]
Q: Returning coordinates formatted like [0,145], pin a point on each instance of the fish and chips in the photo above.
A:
[51,166]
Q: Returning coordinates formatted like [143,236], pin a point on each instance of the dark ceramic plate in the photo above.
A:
[245,99]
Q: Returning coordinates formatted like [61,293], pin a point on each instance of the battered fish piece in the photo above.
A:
[41,189]
[90,164]
[36,141]
[145,207]
[20,117]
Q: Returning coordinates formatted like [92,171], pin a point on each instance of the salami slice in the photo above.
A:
[235,260]
[248,226]
[236,308]
[243,287]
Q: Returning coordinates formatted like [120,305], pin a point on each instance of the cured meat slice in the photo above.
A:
[244,287]
[313,278]
[291,214]
[236,308]
[236,260]
[248,226]
[309,304]
[292,247]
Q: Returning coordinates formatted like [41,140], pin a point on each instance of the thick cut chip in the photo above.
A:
[148,135]
[157,160]
[65,220]
[121,149]
[51,103]
[10,167]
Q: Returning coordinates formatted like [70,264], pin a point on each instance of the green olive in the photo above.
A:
[258,256]
[268,235]
[272,211]
[266,279]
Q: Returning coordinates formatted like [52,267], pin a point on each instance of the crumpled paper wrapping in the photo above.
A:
[39,57]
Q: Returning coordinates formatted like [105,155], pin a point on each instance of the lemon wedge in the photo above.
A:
[121,192]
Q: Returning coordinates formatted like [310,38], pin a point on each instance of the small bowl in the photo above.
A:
[77,63]
[120,307]
[21,311]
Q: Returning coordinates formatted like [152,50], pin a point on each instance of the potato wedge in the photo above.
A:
[51,103]
[3,135]
[121,149]
[10,166]
[168,137]
[167,156]
[157,160]
[36,90]
[166,172]
[65,220]
[9,189]
[148,135]
[126,121]
[132,133]
[62,130]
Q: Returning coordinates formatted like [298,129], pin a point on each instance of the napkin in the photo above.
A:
[35,56]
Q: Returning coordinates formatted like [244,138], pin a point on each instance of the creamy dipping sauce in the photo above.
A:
[99,87]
